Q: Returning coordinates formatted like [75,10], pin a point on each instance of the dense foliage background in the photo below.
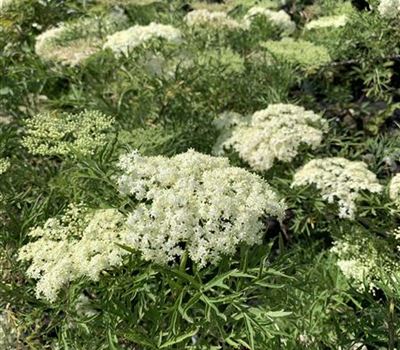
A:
[289,292]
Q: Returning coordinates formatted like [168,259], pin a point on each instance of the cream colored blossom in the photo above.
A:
[72,42]
[229,5]
[339,180]
[280,19]
[193,203]
[362,260]
[394,188]
[275,133]
[389,8]
[298,52]
[4,165]
[124,41]
[327,22]
[211,19]
[81,243]
[66,134]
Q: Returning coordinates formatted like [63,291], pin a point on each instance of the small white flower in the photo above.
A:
[280,19]
[124,41]
[274,133]
[193,203]
[389,8]
[338,179]
[80,243]
[216,19]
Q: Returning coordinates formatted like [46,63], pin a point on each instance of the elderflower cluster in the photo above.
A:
[279,19]
[66,134]
[81,243]
[394,189]
[211,19]
[193,203]
[327,22]
[389,8]
[340,180]
[298,52]
[4,165]
[362,260]
[124,41]
[72,42]
[275,133]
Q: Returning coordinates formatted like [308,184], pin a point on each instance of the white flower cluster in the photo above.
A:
[66,134]
[124,41]
[4,165]
[72,42]
[298,52]
[389,8]
[361,261]
[210,19]
[194,203]
[338,179]
[280,19]
[327,22]
[394,189]
[80,243]
[275,133]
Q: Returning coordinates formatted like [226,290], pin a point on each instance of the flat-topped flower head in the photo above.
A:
[275,133]
[211,19]
[339,180]
[72,42]
[124,41]
[362,260]
[389,8]
[194,203]
[81,243]
[327,22]
[394,189]
[280,19]
[66,134]
[299,52]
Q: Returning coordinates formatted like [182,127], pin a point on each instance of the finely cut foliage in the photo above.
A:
[237,164]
